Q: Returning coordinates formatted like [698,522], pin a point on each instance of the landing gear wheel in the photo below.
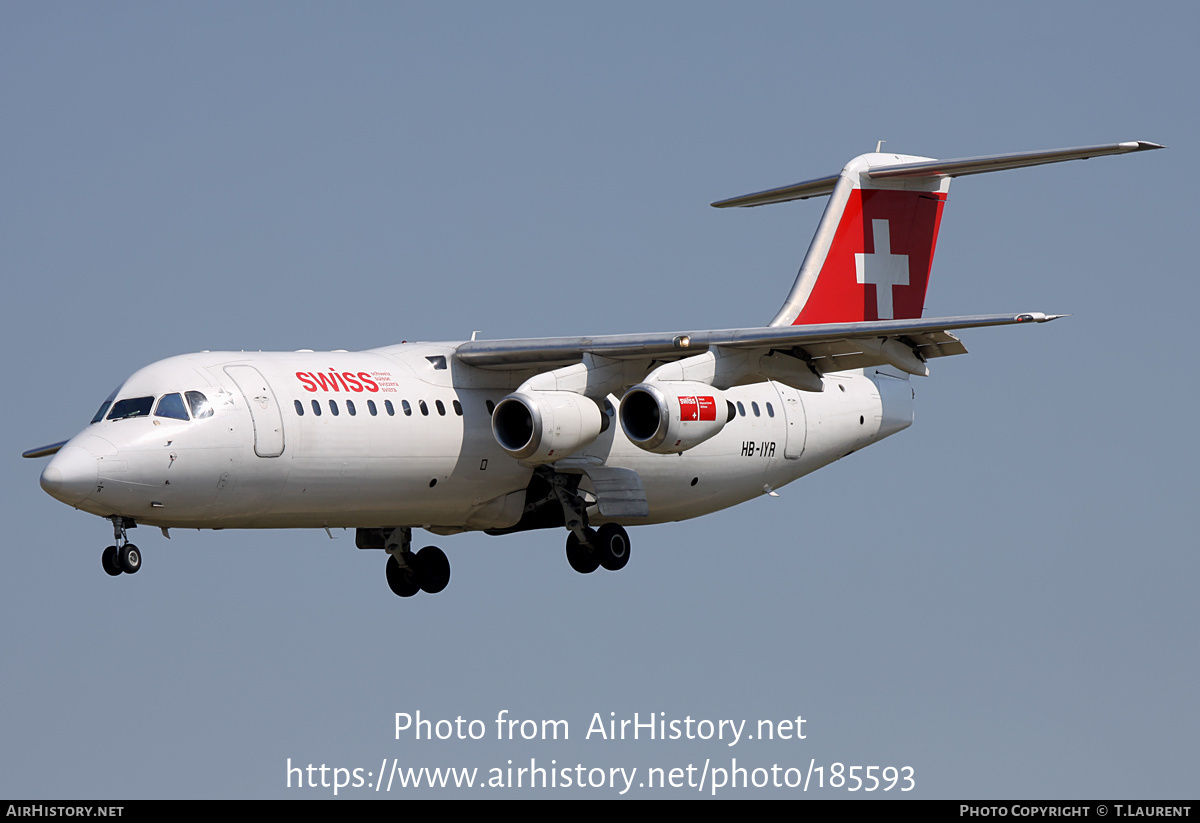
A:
[612,547]
[111,561]
[434,568]
[403,582]
[582,556]
[131,558]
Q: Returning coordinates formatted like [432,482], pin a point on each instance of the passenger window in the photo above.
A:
[407,408]
[371,408]
[199,404]
[424,408]
[457,407]
[171,405]
[754,407]
[440,407]
[316,408]
[391,410]
[333,409]
[299,409]
[741,409]
[350,408]
[770,411]
[131,407]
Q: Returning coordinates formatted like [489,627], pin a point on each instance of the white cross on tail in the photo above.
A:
[882,269]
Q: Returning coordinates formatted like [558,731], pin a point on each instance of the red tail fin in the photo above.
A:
[877,267]
[870,257]
[873,249]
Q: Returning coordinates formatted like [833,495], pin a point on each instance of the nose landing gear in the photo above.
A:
[124,556]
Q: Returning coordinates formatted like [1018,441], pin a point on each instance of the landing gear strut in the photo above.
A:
[124,556]
[588,549]
[408,573]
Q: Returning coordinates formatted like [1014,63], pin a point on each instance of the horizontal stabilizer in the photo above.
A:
[1003,162]
[44,451]
[937,168]
[797,191]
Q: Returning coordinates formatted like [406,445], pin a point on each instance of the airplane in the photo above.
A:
[590,434]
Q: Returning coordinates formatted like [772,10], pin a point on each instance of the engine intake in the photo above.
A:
[673,416]
[544,426]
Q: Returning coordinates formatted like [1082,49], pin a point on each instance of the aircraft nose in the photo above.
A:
[71,475]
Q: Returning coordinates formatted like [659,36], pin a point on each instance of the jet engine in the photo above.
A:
[673,416]
[544,426]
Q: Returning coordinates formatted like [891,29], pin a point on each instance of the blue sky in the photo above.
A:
[1000,597]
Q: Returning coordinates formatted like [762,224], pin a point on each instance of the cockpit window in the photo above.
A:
[171,405]
[199,404]
[104,406]
[131,407]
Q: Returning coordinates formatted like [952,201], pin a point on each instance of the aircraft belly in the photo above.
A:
[377,492]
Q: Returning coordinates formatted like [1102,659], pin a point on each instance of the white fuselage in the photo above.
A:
[403,438]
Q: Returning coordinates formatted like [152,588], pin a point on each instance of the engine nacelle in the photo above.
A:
[544,426]
[673,416]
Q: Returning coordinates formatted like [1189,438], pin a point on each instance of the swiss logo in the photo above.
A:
[693,409]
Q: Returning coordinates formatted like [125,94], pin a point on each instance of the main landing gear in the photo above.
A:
[124,556]
[410,572]
[608,547]
[588,549]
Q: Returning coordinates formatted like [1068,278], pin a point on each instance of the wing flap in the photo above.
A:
[846,353]
[619,492]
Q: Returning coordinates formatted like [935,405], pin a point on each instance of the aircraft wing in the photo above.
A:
[827,347]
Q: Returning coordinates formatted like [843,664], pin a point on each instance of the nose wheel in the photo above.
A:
[124,557]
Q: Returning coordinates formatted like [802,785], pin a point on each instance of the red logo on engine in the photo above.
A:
[697,408]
